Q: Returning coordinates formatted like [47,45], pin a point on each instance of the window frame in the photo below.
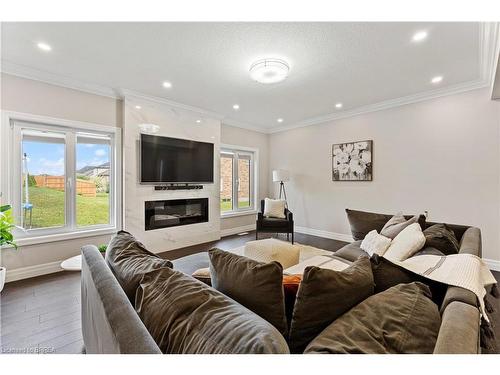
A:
[253,153]
[11,166]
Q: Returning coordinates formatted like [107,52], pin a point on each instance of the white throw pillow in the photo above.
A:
[375,243]
[270,250]
[408,242]
[274,208]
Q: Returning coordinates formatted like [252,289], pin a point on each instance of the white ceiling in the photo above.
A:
[365,66]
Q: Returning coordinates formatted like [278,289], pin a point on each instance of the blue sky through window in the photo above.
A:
[48,158]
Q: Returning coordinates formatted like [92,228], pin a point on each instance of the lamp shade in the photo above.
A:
[281,175]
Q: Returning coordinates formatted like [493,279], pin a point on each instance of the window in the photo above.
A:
[63,178]
[237,185]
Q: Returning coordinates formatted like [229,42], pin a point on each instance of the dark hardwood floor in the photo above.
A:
[42,314]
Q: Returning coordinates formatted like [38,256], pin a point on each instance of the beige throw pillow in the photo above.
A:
[274,208]
[408,242]
[396,224]
[375,243]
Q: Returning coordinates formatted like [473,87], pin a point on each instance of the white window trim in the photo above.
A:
[255,186]
[9,173]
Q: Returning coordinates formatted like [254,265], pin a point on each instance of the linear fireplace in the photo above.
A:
[175,212]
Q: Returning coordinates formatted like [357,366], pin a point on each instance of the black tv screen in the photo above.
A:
[173,160]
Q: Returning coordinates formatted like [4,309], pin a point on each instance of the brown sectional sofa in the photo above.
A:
[111,325]
[460,324]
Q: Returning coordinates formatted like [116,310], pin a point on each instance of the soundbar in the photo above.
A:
[178,187]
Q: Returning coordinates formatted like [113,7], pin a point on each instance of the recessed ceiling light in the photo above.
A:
[420,36]
[338,105]
[167,85]
[269,70]
[280,120]
[44,46]
[236,107]
[138,107]
[198,121]
[437,79]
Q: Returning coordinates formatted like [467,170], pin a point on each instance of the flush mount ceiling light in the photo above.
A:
[138,107]
[269,70]
[236,107]
[419,36]
[167,85]
[44,46]
[198,121]
[437,79]
[149,128]
[280,120]
[338,105]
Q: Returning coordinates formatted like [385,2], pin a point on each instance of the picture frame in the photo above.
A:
[352,161]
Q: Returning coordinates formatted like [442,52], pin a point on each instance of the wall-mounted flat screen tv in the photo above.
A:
[173,160]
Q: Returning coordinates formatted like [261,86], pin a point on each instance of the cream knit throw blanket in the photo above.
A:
[463,270]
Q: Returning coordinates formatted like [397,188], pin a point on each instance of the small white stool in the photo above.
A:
[72,264]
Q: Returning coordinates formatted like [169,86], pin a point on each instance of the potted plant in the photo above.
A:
[6,237]
[102,249]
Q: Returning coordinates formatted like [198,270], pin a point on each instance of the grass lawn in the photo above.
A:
[226,206]
[48,208]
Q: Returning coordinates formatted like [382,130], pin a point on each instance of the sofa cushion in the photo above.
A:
[387,274]
[396,224]
[407,242]
[401,319]
[270,250]
[184,315]
[257,286]
[351,251]
[362,222]
[323,296]
[129,260]
[442,238]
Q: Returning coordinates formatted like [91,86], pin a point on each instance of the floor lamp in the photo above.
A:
[281,176]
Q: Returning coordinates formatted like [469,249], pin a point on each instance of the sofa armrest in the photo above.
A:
[460,330]
[470,242]
[289,215]
[457,294]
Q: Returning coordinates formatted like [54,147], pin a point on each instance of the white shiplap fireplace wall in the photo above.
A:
[178,123]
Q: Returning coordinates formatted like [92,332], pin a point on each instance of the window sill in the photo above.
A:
[26,241]
[238,213]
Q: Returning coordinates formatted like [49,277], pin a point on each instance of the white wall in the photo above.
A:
[34,97]
[441,155]
[247,138]
[177,123]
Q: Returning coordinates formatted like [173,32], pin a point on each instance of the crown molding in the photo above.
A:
[387,104]
[489,46]
[488,50]
[135,95]
[23,71]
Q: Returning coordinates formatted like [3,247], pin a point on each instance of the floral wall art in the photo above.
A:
[352,161]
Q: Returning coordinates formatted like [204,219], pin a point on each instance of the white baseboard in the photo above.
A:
[324,234]
[493,265]
[236,230]
[32,271]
